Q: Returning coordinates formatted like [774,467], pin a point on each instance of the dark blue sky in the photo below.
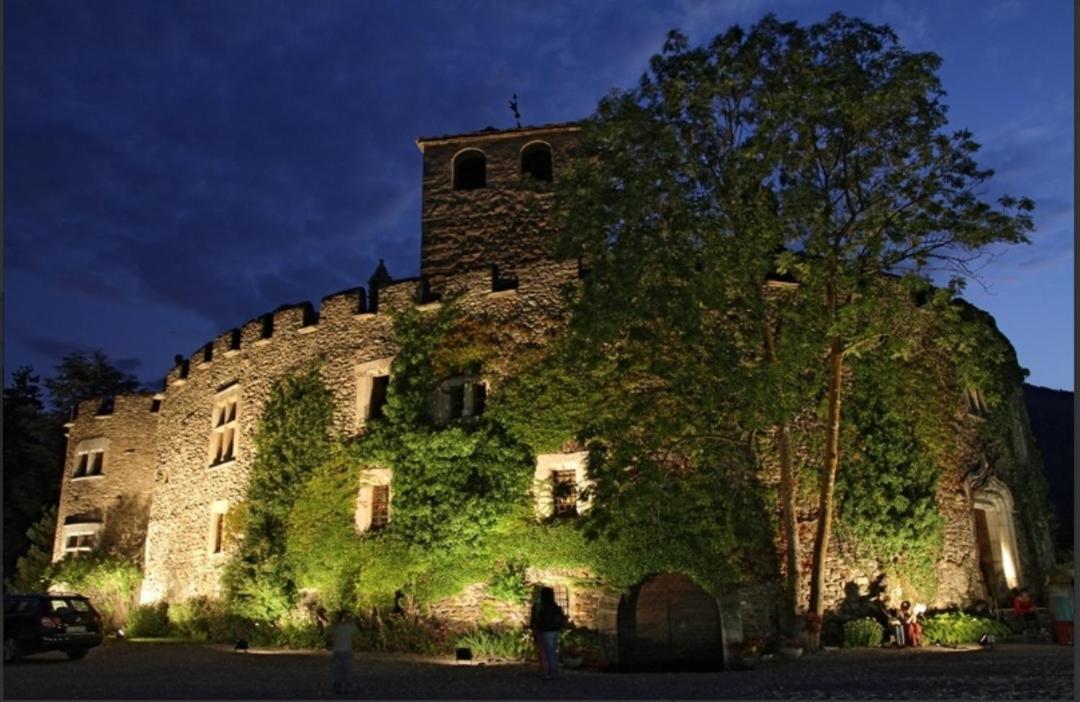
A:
[175,169]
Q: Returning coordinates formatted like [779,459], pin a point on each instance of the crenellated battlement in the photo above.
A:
[352,309]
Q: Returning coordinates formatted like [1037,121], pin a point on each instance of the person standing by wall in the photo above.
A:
[341,642]
[548,620]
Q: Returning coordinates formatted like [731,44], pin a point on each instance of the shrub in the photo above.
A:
[862,633]
[148,621]
[508,583]
[952,628]
[190,619]
[402,635]
[205,619]
[497,643]
[109,581]
[587,644]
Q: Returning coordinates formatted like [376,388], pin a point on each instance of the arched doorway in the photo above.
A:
[669,623]
[995,534]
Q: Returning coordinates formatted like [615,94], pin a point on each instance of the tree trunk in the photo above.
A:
[788,481]
[828,483]
[791,529]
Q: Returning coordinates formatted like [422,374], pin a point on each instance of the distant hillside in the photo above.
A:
[1051,413]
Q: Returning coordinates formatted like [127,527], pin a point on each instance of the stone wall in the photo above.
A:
[112,504]
[507,223]
[181,561]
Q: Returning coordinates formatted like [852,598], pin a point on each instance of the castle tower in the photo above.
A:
[487,198]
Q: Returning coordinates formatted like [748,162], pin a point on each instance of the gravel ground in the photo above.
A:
[187,671]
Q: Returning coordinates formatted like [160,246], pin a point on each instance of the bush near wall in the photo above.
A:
[110,582]
[862,633]
[952,628]
[498,643]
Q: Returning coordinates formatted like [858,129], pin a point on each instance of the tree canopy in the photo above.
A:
[812,156]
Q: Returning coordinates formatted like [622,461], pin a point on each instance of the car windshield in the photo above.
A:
[78,605]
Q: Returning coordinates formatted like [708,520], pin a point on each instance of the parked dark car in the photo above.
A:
[40,622]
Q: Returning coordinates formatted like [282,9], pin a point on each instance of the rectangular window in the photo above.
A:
[380,506]
[217,535]
[564,492]
[80,538]
[457,401]
[223,436]
[79,542]
[89,463]
[379,385]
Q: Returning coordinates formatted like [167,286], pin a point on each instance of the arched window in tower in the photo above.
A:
[470,170]
[536,161]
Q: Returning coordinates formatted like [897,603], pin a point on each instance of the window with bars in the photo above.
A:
[88,463]
[562,597]
[373,500]
[564,493]
[380,506]
[223,436]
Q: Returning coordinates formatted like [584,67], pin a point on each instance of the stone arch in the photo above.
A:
[470,170]
[669,622]
[995,535]
[536,161]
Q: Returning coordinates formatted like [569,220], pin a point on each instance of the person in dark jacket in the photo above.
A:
[547,621]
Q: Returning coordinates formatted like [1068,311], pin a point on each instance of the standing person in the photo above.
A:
[912,627]
[341,639]
[548,620]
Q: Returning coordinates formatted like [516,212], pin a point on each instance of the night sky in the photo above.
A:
[173,170]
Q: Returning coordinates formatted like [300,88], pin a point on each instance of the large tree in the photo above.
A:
[817,153]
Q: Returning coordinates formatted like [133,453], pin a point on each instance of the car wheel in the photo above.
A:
[77,653]
[11,650]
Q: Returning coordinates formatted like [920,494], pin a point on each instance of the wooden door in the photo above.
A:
[670,622]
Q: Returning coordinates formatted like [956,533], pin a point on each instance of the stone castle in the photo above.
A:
[154,476]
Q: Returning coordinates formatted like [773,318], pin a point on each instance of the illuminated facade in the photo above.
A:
[155,476]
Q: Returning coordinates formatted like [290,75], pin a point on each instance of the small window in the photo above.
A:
[79,542]
[216,538]
[379,385]
[457,401]
[373,500]
[89,459]
[564,493]
[217,533]
[460,398]
[470,170]
[536,162]
[81,537]
[380,506]
[372,387]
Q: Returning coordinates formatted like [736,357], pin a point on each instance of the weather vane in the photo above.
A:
[514,109]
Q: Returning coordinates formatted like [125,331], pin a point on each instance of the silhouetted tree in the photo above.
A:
[82,376]
[33,454]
